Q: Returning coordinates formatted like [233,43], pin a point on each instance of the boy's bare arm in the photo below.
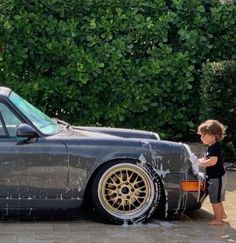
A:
[208,162]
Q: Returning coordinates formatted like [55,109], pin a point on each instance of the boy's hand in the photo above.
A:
[202,175]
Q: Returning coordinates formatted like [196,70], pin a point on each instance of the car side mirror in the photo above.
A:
[26,131]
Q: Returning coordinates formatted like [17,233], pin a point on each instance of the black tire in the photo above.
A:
[125,192]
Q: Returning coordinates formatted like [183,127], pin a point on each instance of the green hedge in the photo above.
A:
[218,97]
[114,63]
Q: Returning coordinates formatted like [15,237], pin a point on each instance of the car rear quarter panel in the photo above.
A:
[169,161]
[87,155]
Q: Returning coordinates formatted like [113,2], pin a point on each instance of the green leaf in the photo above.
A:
[18,17]
[93,24]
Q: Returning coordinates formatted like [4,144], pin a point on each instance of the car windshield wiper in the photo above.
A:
[61,122]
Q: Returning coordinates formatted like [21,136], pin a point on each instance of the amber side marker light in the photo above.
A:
[193,186]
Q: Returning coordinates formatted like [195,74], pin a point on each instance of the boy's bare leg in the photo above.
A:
[217,209]
[223,214]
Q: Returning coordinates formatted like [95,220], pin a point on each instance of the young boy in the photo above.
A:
[212,132]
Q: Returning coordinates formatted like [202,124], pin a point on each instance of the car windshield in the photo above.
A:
[44,123]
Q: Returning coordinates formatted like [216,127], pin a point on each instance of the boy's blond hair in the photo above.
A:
[212,127]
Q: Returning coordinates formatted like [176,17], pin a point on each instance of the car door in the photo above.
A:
[33,173]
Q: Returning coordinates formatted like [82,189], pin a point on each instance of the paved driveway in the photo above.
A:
[192,228]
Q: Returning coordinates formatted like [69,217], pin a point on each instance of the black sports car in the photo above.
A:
[124,174]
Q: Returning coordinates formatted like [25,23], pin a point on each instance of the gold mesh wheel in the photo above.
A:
[126,190]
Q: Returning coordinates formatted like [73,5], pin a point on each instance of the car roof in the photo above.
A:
[4,91]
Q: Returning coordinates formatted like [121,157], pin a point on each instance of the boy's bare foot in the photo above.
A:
[216,222]
[224,216]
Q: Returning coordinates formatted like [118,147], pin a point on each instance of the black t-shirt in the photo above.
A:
[216,170]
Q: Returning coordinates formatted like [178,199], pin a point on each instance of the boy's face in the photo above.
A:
[208,139]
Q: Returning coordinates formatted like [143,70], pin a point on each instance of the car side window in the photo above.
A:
[9,121]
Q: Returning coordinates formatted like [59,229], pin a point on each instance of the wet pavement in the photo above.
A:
[192,227]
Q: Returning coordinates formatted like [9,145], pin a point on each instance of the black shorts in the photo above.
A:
[216,189]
